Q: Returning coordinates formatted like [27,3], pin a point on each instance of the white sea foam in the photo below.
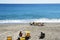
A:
[31,20]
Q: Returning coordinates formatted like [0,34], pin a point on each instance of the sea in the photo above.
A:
[25,13]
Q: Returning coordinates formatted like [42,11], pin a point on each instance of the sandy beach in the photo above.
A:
[51,30]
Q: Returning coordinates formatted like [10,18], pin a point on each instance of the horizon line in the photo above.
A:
[29,3]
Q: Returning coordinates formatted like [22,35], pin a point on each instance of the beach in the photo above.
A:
[51,30]
[16,17]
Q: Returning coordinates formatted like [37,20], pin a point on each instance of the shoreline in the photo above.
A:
[44,20]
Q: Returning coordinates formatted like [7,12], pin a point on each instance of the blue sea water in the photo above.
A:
[29,11]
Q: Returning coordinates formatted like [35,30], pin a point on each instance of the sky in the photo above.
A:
[28,1]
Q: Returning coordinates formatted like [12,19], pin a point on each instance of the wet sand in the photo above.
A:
[51,30]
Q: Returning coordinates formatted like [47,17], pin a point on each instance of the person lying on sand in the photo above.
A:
[37,24]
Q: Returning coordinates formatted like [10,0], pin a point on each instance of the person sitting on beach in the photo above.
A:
[27,35]
[20,34]
[42,35]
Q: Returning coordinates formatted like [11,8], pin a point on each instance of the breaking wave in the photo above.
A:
[31,20]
